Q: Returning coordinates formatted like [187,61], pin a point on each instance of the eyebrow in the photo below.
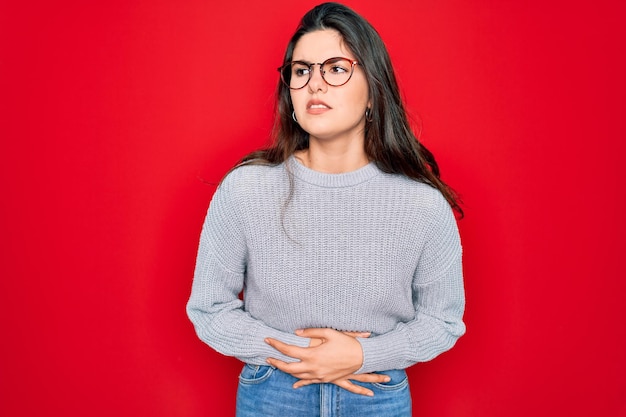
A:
[304,61]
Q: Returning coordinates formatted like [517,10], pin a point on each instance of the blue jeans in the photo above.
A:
[265,391]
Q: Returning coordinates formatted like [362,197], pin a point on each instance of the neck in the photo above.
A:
[333,158]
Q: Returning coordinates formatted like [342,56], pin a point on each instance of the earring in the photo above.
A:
[368,115]
[293,116]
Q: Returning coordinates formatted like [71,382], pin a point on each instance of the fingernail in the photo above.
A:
[387,379]
[267,341]
[299,331]
[370,394]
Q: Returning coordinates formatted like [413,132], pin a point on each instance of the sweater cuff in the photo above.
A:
[266,351]
[385,352]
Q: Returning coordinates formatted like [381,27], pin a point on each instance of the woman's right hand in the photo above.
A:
[346,382]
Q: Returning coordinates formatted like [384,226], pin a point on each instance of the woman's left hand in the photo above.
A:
[339,355]
[347,383]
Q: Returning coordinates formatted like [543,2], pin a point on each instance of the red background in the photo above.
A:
[114,115]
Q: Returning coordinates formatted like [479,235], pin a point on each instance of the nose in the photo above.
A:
[317,83]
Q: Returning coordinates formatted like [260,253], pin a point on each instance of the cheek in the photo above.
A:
[297,98]
[360,93]
[358,99]
[366,96]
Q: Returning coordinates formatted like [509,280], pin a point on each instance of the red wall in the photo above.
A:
[113,116]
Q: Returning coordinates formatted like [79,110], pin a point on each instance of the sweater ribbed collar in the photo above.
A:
[323,179]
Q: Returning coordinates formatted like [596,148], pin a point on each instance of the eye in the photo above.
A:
[337,66]
[300,70]
[337,69]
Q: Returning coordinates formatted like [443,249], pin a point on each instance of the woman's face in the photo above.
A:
[327,112]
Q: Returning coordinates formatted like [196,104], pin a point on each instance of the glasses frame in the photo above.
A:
[353,63]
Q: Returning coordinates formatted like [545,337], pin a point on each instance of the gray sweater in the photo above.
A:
[358,251]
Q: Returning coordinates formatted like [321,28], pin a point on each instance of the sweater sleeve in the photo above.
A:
[214,306]
[438,298]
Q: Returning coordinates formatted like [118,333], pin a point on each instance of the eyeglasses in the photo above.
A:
[335,72]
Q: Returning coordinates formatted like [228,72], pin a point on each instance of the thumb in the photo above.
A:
[362,335]
[319,333]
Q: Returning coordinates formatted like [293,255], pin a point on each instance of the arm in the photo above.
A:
[214,306]
[438,298]
[435,329]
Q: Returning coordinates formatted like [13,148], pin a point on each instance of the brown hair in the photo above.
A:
[389,140]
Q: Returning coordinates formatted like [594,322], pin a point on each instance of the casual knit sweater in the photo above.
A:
[358,251]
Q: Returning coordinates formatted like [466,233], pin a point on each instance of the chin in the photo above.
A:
[318,131]
[321,135]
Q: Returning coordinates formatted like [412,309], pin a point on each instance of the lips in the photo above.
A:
[317,107]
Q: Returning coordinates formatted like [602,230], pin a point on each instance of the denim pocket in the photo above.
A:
[255,374]
[398,381]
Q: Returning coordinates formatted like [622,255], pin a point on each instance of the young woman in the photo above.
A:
[341,235]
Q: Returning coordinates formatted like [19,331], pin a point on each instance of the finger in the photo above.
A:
[305,382]
[289,350]
[297,369]
[373,378]
[362,335]
[314,341]
[353,388]
[320,333]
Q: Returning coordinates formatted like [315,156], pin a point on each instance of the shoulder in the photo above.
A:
[253,184]
[252,177]
[247,188]
[425,196]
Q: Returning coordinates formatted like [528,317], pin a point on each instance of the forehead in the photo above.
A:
[320,45]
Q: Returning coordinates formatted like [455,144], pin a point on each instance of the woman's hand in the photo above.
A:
[332,357]
[347,384]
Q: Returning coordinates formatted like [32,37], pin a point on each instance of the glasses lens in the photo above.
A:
[337,71]
[296,75]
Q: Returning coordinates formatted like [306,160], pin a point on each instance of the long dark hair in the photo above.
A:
[389,140]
